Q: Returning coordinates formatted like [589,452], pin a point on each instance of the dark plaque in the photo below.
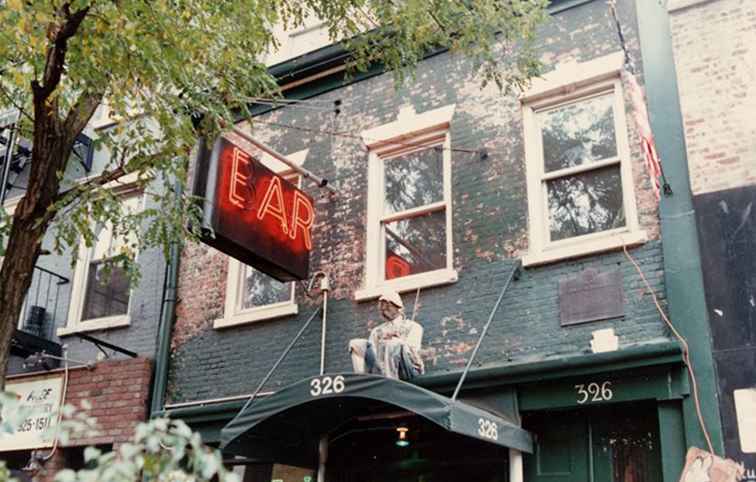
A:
[590,296]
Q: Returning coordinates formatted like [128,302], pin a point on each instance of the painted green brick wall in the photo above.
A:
[489,232]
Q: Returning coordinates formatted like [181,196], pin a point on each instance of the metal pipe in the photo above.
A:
[516,268]
[516,472]
[325,286]
[165,327]
[322,457]
[280,359]
[321,182]
[9,147]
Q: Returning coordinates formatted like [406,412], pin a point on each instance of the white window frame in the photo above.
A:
[233,314]
[411,132]
[75,324]
[569,84]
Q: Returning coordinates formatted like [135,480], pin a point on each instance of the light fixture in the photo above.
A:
[402,441]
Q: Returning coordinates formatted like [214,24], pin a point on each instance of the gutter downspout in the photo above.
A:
[165,329]
[683,275]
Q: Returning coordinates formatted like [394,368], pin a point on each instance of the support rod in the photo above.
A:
[320,181]
[512,274]
[9,148]
[325,287]
[280,359]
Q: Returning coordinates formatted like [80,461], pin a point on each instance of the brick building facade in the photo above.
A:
[715,57]
[496,202]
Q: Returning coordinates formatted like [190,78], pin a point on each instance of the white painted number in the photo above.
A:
[326,385]
[488,429]
[594,392]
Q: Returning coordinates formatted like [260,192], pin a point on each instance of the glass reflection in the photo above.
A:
[413,180]
[415,245]
[260,289]
[585,203]
[579,133]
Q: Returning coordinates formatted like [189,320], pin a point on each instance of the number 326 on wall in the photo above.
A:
[594,392]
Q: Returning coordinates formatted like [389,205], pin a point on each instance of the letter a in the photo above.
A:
[278,210]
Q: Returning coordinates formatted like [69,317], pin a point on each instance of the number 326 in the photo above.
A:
[594,392]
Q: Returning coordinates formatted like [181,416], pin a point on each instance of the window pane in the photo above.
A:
[579,133]
[413,180]
[415,245]
[260,289]
[585,203]
[107,291]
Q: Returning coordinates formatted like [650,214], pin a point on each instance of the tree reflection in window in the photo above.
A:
[260,289]
[578,133]
[413,180]
[585,203]
[416,245]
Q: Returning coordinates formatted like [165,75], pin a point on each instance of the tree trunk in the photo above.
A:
[31,220]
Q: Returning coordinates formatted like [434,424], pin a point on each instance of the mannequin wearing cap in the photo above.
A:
[393,348]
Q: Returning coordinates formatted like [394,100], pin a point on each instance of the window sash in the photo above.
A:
[377,259]
[622,159]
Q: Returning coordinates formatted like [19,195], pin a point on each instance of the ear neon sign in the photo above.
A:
[255,215]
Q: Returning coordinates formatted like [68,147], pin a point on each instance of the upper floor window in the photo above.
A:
[101,290]
[250,294]
[580,188]
[409,242]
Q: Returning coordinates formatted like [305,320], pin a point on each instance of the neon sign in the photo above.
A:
[253,214]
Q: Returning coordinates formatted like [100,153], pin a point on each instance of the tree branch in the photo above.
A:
[82,111]
[56,54]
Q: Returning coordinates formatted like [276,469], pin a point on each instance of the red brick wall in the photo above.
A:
[119,392]
[715,57]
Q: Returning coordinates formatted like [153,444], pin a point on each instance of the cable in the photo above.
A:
[351,135]
[686,350]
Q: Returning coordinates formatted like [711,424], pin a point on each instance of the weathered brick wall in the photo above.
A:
[489,230]
[715,56]
[119,393]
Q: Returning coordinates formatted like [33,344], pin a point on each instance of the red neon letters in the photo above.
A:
[244,189]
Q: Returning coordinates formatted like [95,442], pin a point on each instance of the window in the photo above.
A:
[250,294]
[580,189]
[409,242]
[101,291]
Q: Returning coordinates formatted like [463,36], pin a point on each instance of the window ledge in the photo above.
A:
[257,314]
[610,242]
[409,283]
[96,324]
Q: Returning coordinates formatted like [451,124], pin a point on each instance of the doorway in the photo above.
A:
[615,443]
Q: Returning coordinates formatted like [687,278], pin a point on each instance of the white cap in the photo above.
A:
[392,297]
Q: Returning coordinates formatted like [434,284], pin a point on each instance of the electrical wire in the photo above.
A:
[355,136]
[686,351]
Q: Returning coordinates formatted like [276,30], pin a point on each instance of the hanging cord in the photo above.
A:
[630,67]
[60,410]
[686,350]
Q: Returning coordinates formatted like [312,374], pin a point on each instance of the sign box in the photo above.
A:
[252,214]
[39,403]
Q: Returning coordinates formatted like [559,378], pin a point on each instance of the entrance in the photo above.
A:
[371,454]
[616,443]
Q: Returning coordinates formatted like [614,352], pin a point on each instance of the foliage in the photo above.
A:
[156,62]
[162,450]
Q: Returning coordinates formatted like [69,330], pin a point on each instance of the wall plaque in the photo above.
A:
[590,296]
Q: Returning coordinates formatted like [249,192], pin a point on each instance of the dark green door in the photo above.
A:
[614,443]
[561,448]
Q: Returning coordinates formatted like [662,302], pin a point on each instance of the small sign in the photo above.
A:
[590,296]
[251,213]
[40,399]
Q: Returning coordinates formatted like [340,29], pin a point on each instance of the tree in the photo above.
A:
[160,65]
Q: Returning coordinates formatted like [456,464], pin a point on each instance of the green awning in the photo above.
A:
[286,427]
